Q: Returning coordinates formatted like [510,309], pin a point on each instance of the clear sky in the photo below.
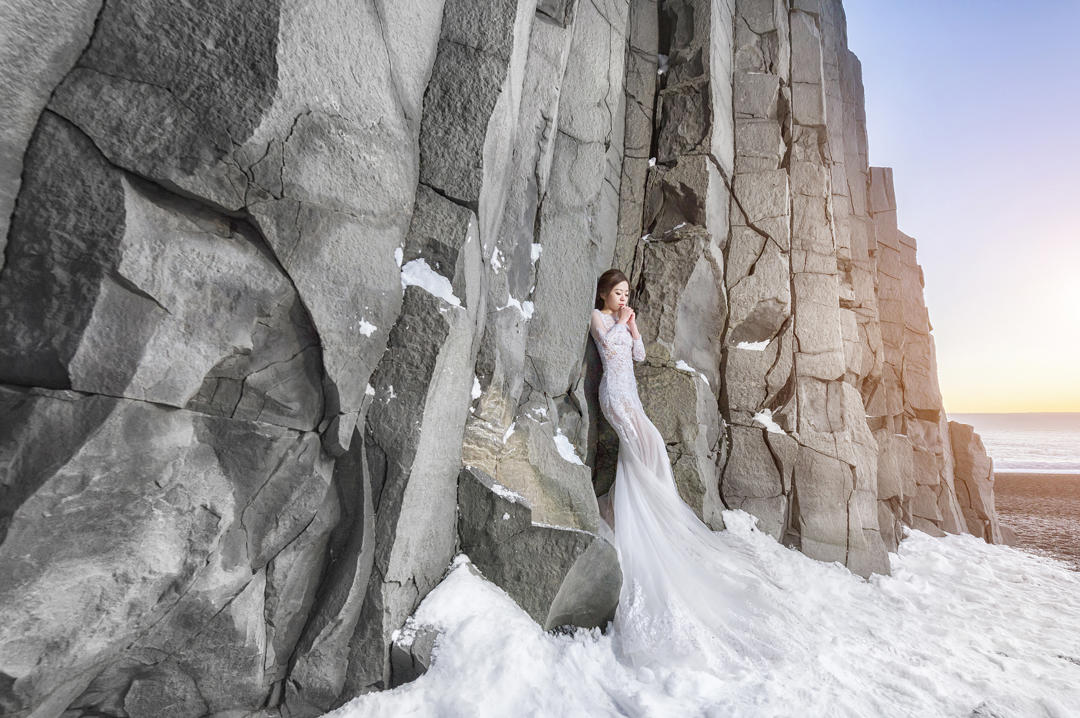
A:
[976,106]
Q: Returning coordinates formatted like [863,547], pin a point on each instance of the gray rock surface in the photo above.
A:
[254,109]
[558,575]
[670,240]
[903,398]
[411,652]
[39,43]
[143,544]
[975,482]
[285,283]
[160,299]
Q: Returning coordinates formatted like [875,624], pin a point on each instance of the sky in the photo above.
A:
[975,106]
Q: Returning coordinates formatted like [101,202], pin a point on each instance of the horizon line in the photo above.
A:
[1054,411]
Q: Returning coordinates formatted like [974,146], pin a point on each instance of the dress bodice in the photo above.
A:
[618,352]
[618,349]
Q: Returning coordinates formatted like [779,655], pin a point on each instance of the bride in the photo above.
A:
[688,596]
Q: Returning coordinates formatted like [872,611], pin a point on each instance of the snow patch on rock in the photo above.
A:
[418,273]
[764,417]
[566,448]
[683,366]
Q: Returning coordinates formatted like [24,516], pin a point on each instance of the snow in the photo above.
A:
[960,628]
[476,391]
[369,390]
[496,259]
[509,431]
[652,162]
[556,526]
[398,256]
[536,250]
[366,327]
[566,448]
[753,346]
[506,516]
[405,635]
[418,272]
[511,496]
[661,64]
[683,366]
[525,308]
[764,417]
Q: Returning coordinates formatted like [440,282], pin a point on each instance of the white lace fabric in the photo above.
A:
[687,598]
[618,388]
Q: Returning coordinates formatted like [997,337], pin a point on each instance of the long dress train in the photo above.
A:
[689,595]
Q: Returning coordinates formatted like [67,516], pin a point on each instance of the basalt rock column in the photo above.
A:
[974,482]
[917,487]
[796,415]
[758,392]
[553,231]
[671,242]
[200,281]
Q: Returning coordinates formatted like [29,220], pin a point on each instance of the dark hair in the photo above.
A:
[605,283]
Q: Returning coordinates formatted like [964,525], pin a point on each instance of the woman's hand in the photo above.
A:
[626,315]
[631,321]
[632,326]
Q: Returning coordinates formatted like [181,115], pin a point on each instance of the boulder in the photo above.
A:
[410,652]
[975,474]
[558,575]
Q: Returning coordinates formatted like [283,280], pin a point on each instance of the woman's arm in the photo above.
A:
[638,352]
[604,336]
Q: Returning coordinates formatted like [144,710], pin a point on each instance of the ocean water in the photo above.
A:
[1046,442]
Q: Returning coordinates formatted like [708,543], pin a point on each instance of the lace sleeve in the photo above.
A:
[603,336]
[639,350]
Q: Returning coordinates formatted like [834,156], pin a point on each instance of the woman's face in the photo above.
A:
[618,296]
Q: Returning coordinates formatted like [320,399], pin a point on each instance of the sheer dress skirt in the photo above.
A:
[686,597]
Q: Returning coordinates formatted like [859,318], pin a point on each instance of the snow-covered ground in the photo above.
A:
[961,628]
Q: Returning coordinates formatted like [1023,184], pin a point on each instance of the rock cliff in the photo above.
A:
[294,304]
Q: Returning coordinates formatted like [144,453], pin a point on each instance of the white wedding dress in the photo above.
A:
[690,597]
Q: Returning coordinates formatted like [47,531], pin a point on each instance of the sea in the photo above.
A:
[1041,442]
[1036,478]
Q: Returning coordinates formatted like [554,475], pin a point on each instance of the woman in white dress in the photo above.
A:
[688,595]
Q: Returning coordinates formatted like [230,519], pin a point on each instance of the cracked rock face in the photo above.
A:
[157,298]
[148,548]
[558,575]
[834,433]
[974,482]
[285,284]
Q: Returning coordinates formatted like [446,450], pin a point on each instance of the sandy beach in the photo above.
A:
[1043,510]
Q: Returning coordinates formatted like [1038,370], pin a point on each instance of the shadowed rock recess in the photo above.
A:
[294,302]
